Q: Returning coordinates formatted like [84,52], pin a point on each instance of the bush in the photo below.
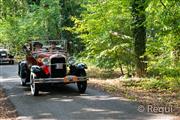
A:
[165,83]
[156,84]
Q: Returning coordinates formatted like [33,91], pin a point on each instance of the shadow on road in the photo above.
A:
[54,90]
[65,102]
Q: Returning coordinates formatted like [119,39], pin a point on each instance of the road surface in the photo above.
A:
[65,103]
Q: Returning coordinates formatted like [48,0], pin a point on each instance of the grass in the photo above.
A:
[164,91]
[158,83]
[94,72]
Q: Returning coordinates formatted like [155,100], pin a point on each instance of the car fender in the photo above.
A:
[35,69]
[22,69]
[77,69]
[38,71]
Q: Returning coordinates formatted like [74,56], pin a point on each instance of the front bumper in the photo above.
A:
[65,80]
[5,60]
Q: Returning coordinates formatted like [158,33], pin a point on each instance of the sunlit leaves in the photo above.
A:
[105,29]
[29,21]
[163,34]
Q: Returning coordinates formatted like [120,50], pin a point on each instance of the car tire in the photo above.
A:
[82,85]
[11,62]
[34,86]
[19,68]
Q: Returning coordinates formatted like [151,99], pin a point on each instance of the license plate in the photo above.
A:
[59,66]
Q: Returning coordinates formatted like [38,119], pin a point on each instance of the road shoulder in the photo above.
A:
[154,98]
[7,109]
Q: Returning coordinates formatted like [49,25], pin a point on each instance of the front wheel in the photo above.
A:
[12,62]
[82,86]
[34,86]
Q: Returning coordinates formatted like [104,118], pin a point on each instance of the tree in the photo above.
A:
[104,27]
[37,2]
[70,9]
[139,34]
[163,44]
[34,20]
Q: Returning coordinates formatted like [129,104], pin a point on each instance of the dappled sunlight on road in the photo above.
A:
[65,102]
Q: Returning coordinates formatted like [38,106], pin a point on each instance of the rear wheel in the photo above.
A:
[34,86]
[83,84]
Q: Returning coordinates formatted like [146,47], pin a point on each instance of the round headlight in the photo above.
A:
[45,61]
[71,60]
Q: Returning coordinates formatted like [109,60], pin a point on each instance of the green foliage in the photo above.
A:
[156,84]
[34,22]
[105,27]
[165,83]
[163,45]
[100,31]
[139,34]
[10,12]
[70,9]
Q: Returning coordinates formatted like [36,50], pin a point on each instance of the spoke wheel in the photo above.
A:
[34,86]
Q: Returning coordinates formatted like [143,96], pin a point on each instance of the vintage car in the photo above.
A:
[47,63]
[5,57]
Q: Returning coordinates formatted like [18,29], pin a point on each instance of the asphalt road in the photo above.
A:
[65,103]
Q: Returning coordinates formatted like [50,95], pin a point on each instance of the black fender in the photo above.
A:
[35,69]
[23,69]
[81,66]
[78,69]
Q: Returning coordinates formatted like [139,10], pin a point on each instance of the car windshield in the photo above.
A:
[49,46]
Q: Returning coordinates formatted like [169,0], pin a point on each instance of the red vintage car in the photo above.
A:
[47,63]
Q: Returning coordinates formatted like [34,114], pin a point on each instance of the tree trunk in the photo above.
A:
[139,34]
[121,68]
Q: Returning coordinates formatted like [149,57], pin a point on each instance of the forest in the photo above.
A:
[140,38]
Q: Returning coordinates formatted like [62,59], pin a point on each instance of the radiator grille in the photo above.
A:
[58,71]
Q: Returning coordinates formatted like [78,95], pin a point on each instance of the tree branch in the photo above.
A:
[162,4]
